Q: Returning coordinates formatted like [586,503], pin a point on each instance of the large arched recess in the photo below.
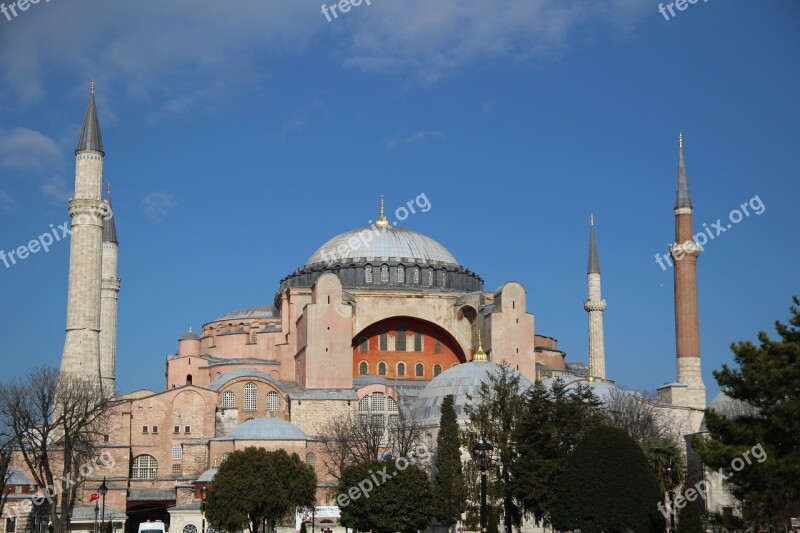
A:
[449,350]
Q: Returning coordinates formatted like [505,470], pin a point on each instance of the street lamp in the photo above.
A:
[671,496]
[96,512]
[481,447]
[103,492]
[203,496]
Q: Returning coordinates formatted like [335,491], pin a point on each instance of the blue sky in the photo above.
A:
[241,136]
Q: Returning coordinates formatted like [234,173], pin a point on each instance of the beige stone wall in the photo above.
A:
[312,415]
[508,333]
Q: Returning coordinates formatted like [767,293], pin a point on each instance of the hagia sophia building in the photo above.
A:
[380,319]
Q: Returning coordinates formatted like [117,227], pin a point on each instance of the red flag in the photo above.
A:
[95,496]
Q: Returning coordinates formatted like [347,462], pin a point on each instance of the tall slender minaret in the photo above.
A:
[595,305]
[684,254]
[108,300]
[87,209]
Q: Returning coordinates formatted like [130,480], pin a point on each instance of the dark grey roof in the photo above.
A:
[266,429]
[263,311]
[324,394]
[15,477]
[109,226]
[207,476]
[390,242]
[594,260]
[682,198]
[189,336]
[90,138]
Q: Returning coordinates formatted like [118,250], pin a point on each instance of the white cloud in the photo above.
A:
[7,202]
[56,191]
[27,149]
[147,46]
[414,138]
[156,205]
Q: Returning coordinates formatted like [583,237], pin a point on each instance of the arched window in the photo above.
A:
[437,369]
[363,368]
[400,340]
[189,528]
[381,368]
[228,399]
[384,273]
[363,345]
[250,397]
[188,379]
[442,278]
[177,452]
[368,274]
[419,370]
[273,401]
[437,346]
[144,467]
[401,370]
[430,277]
[417,342]
[311,460]
[416,275]
[383,342]
[401,274]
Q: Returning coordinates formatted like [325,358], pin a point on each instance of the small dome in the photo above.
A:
[461,381]
[382,244]
[728,407]
[266,429]
[189,336]
[264,311]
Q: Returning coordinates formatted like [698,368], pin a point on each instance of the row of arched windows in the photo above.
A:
[146,466]
[251,399]
[400,275]
[400,369]
[379,410]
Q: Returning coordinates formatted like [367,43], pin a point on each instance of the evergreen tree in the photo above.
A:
[607,486]
[689,520]
[552,421]
[766,387]
[448,484]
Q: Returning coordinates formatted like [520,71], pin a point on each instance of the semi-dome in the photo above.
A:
[263,311]
[461,381]
[266,429]
[387,244]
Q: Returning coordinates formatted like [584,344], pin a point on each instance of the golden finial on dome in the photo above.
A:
[480,355]
[381,222]
[91,85]
[680,140]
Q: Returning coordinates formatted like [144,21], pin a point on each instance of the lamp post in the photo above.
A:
[313,516]
[481,447]
[671,496]
[96,512]
[103,492]
[203,496]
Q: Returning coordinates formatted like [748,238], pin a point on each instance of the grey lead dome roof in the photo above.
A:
[266,429]
[389,243]
[461,381]
[264,311]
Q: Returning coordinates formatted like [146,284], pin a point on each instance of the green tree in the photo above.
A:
[382,497]
[607,486]
[493,415]
[689,520]
[551,423]
[254,488]
[766,388]
[448,484]
[666,462]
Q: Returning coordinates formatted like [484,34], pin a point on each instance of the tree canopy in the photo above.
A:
[764,411]
[607,486]
[255,488]
[385,497]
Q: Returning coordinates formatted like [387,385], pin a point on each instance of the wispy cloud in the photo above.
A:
[56,191]
[26,149]
[7,202]
[414,138]
[157,205]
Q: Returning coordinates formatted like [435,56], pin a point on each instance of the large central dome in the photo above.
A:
[387,244]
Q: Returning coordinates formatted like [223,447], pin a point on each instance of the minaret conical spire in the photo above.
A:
[682,198]
[109,226]
[90,139]
[594,259]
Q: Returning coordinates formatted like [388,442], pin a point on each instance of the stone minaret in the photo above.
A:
[687,332]
[595,305]
[108,300]
[87,209]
